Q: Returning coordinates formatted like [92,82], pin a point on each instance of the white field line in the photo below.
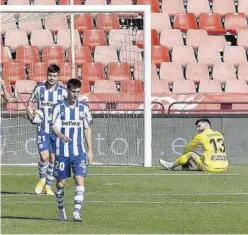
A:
[132,202]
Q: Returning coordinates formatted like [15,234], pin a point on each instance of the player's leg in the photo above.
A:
[79,169]
[199,161]
[61,172]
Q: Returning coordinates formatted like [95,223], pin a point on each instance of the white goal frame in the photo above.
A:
[146,9]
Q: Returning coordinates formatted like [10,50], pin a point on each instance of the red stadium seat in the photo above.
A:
[208,55]
[12,71]
[171,72]
[94,37]
[196,37]
[223,8]
[160,21]
[171,37]
[183,87]
[106,55]
[140,38]
[65,72]
[242,39]
[85,87]
[64,38]
[67,2]
[198,7]
[5,55]
[92,71]
[197,72]
[235,22]
[173,7]
[183,55]
[209,86]
[131,86]
[243,7]
[160,54]
[53,54]
[83,22]
[243,71]
[55,23]
[41,38]
[160,87]
[13,34]
[82,55]
[212,23]
[38,71]
[235,55]
[185,21]
[27,54]
[236,86]
[119,71]
[154,4]
[107,21]
[105,86]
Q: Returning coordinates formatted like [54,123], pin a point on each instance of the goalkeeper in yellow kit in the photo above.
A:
[214,157]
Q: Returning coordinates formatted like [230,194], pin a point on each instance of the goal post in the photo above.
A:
[146,14]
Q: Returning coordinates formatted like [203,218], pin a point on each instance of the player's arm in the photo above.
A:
[33,99]
[88,133]
[56,122]
[192,144]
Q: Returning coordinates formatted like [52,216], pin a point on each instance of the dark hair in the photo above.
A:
[203,120]
[53,68]
[74,83]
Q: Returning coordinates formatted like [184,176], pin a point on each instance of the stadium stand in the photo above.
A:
[41,38]
[171,72]
[107,21]
[234,22]
[53,54]
[38,71]
[10,38]
[222,8]
[82,55]
[242,38]
[183,87]
[185,21]
[94,37]
[160,87]
[243,71]
[83,22]
[243,7]
[64,38]
[160,21]
[119,71]
[172,7]
[27,54]
[196,72]
[160,54]
[93,71]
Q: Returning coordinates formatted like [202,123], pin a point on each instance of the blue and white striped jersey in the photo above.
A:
[71,122]
[46,100]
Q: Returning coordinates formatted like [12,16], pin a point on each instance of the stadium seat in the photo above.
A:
[198,7]
[208,55]
[235,22]
[183,87]
[28,22]
[67,2]
[24,88]
[243,71]
[223,71]
[223,8]
[236,86]
[130,54]
[65,72]
[105,86]
[82,55]
[160,87]
[12,71]
[183,55]
[18,2]
[95,2]
[5,55]
[160,21]
[131,86]
[139,73]
[41,38]
[119,71]
[185,21]
[85,87]
[107,21]
[217,41]
[121,2]
[120,37]
[38,71]
[171,72]
[235,55]
[53,54]
[44,2]
[105,55]
[83,22]
[243,7]
[56,22]
[171,37]
[27,54]
[197,72]
[139,41]
[124,15]
[242,38]
[212,23]
[93,71]
[160,54]
[64,38]
[154,4]
[10,38]
[173,7]
[94,37]
[8,21]
[210,86]
[196,37]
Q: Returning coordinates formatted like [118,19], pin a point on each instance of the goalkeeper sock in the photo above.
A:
[42,169]
[78,198]
[50,176]
[59,193]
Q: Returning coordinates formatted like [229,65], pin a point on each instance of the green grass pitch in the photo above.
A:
[130,200]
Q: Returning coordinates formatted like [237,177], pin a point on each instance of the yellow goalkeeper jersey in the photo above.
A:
[213,145]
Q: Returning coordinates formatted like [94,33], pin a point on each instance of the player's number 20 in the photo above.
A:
[60,165]
[218,145]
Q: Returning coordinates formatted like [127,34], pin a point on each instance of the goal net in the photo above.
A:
[107,48]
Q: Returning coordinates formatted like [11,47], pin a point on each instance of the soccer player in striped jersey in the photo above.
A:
[46,95]
[71,123]
[214,158]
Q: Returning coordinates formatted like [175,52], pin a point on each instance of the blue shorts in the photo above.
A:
[63,166]
[46,141]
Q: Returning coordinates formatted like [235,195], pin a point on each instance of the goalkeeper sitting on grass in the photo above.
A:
[214,158]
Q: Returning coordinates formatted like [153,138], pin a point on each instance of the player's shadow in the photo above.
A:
[16,193]
[27,218]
